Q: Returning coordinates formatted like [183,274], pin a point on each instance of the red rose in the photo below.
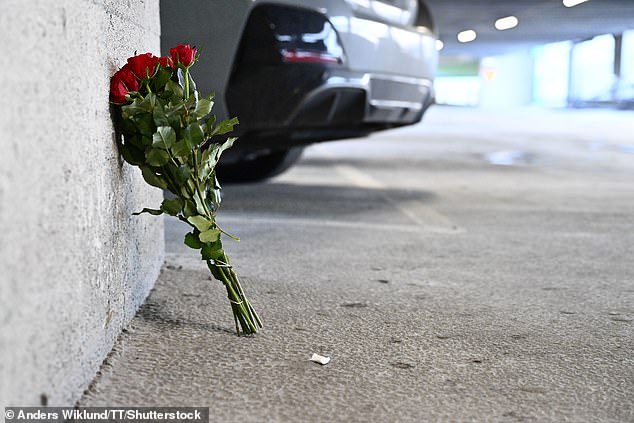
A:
[166,62]
[143,65]
[121,83]
[117,91]
[126,75]
[183,54]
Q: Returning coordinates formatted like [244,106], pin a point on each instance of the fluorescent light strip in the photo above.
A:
[571,3]
[508,22]
[467,36]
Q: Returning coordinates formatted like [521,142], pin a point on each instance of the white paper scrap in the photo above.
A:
[320,359]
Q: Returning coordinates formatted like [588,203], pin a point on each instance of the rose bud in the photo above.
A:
[183,54]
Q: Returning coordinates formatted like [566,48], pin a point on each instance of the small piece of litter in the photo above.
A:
[320,359]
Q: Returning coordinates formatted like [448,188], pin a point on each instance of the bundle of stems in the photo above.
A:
[244,314]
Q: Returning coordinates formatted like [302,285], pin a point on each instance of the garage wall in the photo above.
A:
[74,264]
[508,80]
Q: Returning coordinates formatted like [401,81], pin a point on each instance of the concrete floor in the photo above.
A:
[476,267]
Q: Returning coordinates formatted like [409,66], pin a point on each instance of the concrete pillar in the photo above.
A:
[74,264]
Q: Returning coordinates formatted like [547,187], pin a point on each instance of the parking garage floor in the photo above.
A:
[475,267]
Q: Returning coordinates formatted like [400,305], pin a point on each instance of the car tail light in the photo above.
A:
[305,56]
[278,34]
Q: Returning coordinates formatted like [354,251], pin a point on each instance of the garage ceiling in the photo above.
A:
[540,22]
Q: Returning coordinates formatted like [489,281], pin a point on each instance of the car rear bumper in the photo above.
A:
[364,98]
[325,103]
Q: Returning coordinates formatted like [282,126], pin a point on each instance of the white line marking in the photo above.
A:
[360,179]
[416,211]
[245,219]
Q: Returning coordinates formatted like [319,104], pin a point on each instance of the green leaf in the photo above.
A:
[144,123]
[216,185]
[203,170]
[203,108]
[183,172]
[227,144]
[189,209]
[211,156]
[181,78]
[201,223]
[209,125]
[199,205]
[194,135]
[210,235]
[222,147]
[172,207]
[192,241]
[136,107]
[160,79]
[192,86]
[224,126]
[146,140]
[156,157]
[160,119]
[175,88]
[213,196]
[152,178]
[192,188]
[150,211]
[132,154]
[212,251]
[180,74]
[164,137]
[127,127]
[182,150]
[151,99]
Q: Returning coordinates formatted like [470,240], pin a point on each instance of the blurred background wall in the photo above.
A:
[594,72]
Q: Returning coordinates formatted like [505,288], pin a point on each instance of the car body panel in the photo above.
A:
[378,54]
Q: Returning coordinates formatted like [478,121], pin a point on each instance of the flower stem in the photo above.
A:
[244,314]
[186,83]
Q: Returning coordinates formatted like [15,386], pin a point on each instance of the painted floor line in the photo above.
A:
[328,223]
[416,211]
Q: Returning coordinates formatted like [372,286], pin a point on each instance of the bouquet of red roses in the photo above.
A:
[170,134]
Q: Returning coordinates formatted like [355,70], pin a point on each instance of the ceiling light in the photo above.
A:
[439,45]
[570,3]
[467,36]
[506,23]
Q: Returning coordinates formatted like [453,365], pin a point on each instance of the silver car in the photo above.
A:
[297,72]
